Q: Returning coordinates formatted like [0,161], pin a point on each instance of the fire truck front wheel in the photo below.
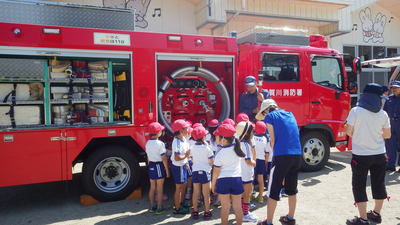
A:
[110,173]
[316,151]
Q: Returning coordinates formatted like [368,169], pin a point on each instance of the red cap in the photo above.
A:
[178,125]
[213,123]
[226,130]
[216,133]
[261,127]
[242,117]
[199,133]
[197,125]
[155,128]
[229,121]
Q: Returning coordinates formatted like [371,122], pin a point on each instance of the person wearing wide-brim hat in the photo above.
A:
[369,126]
[285,141]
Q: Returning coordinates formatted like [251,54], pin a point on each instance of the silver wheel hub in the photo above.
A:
[313,151]
[111,175]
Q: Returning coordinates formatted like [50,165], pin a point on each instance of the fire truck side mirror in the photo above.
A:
[353,88]
[356,67]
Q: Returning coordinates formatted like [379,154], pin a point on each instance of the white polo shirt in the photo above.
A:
[200,157]
[247,170]
[367,135]
[263,146]
[228,161]
[155,149]
[179,147]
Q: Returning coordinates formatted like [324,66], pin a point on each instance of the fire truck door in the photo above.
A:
[328,98]
[30,156]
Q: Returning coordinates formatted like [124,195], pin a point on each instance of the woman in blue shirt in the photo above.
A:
[285,142]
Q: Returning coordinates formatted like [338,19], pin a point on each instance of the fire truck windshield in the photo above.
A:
[326,71]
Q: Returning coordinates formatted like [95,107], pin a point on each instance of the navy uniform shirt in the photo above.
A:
[248,102]
[392,107]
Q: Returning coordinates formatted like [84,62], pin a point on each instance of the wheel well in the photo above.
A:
[125,141]
[322,128]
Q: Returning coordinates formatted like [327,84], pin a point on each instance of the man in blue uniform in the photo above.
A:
[392,107]
[252,98]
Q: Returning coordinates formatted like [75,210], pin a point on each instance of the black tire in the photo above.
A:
[120,168]
[316,151]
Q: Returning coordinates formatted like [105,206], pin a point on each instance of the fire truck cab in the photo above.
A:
[306,78]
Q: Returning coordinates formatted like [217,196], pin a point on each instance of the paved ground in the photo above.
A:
[325,198]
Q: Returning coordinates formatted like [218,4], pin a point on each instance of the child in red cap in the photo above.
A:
[158,166]
[226,179]
[244,132]
[242,117]
[180,166]
[202,157]
[263,157]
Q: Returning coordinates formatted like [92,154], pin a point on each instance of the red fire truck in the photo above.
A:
[71,94]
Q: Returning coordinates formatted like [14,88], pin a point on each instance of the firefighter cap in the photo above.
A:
[250,81]
[395,83]
[155,128]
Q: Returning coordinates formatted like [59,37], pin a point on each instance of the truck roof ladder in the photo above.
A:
[270,38]
[65,14]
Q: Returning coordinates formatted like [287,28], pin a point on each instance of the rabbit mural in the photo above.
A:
[372,29]
[140,6]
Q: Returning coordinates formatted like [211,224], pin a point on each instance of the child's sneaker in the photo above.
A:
[249,218]
[357,221]
[187,203]
[159,211]
[286,220]
[181,211]
[252,205]
[195,215]
[260,199]
[207,215]
[264,223]
[153,209]
[374,217]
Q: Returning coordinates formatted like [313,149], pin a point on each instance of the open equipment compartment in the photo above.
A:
[38,91]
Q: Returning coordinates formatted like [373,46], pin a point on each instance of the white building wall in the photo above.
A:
[390,31]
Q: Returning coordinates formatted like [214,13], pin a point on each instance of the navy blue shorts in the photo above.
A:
[230,185]
[261,167]
[156,170]
[201,177]
[180,174]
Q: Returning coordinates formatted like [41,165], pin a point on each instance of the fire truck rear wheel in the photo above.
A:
[316,151]
[110,173]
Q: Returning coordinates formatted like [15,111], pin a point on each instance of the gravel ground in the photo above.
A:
[324,198]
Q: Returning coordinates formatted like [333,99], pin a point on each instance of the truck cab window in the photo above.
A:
[280,67]
[326,72]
